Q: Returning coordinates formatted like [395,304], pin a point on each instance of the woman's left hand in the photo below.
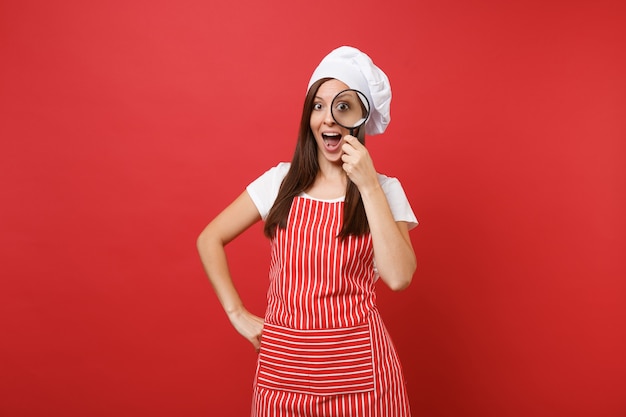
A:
[358,164]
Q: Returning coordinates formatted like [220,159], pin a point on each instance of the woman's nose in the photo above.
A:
[328,119]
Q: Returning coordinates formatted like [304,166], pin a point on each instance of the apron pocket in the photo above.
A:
[317,362]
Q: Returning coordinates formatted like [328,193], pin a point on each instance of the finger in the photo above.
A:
[347,143]
[348,162]
[347,148]
[256,342]
[352,140]
[347,168]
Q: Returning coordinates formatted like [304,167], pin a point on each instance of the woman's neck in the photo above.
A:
[330,183]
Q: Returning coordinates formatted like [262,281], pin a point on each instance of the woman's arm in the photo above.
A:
[230,223]
[393,251]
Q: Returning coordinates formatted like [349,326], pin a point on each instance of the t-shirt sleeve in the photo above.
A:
[264,189]
[398,202]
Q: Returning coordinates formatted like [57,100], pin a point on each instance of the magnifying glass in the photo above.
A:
[350,109]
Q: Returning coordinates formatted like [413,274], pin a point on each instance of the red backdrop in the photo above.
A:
[126,125]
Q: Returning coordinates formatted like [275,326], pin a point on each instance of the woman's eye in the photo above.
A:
[317,106]
[343,106]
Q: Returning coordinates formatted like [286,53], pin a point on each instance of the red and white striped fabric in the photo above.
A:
[320,362]
[324,349]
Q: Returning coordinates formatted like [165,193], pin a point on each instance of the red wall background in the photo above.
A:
[126,125]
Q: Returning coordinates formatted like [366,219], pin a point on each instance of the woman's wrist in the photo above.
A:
[234,311]
[370,190]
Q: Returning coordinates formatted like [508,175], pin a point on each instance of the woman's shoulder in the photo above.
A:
[264,189]
[282,168]
[397,199]
[275,173]
[388,182]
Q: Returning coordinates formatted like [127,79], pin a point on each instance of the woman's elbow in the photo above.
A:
[402,280]
[400,284]
[201,239]
[205,238]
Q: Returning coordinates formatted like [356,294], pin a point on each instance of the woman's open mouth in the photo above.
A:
[331,140]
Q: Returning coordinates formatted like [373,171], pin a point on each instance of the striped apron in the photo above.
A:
[324,348]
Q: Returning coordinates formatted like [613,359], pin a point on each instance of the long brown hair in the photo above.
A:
[302,174]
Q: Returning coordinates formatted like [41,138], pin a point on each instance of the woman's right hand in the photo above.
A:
[248,325]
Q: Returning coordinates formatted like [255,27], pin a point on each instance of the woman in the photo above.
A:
[335,227]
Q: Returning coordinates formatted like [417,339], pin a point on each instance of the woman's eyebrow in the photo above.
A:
[345,93]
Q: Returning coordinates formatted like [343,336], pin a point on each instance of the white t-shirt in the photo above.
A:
[264,191]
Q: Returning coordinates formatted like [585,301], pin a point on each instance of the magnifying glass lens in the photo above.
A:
[350,109]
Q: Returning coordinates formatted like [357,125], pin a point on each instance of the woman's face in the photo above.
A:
[328,134]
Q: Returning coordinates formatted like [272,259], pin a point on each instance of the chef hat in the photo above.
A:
[357,71]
